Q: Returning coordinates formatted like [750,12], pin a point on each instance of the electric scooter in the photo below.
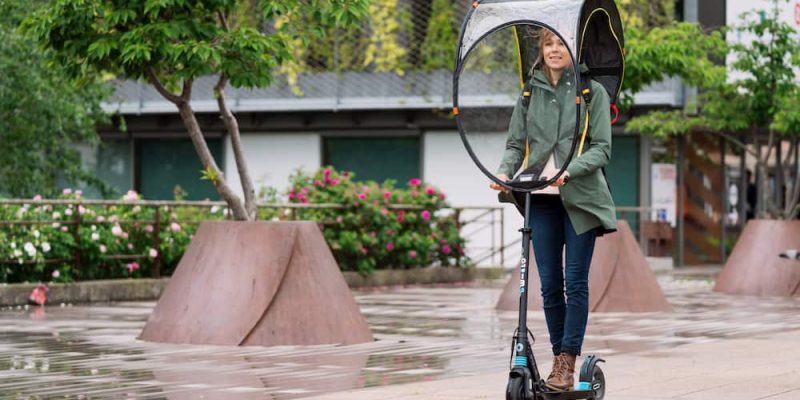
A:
[524,380]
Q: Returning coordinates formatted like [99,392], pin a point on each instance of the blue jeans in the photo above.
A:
[551,231]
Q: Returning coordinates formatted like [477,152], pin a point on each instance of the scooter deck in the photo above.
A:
[570,395]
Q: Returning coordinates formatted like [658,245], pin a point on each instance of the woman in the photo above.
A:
[565,215]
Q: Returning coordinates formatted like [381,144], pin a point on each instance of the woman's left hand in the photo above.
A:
[562,180]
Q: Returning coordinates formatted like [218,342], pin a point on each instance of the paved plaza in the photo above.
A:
[431,342]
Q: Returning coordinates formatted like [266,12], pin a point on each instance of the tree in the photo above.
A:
[757,99]
[645,15]
[43,114]
[171,43]
[658,47]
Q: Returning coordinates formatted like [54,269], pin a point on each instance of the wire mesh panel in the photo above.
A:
[400,56]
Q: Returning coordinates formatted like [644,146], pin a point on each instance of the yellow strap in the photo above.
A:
[583,137]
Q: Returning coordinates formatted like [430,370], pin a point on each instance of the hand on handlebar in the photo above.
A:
[493,185]
[562,180]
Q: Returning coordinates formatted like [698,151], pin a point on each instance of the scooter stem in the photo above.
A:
[522,335]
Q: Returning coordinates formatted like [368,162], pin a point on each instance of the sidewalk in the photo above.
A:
[432,343]
[762,367]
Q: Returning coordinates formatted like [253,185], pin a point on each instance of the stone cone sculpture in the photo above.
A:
[257,283]
[754,266]
[620,280]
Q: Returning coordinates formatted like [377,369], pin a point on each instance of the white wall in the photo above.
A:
[272,158]
[789,11]
[448,166]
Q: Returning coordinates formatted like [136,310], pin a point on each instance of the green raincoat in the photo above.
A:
[551,121]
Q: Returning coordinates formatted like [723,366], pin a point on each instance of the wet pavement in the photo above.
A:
[422,334]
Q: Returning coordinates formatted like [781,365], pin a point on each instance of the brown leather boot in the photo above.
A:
[554,370]
[563,379]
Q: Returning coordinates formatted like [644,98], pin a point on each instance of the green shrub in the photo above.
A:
[368,231]
[371,231]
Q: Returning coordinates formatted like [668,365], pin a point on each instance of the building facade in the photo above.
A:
[381,125]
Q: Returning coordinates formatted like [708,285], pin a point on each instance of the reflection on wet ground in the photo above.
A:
[91,352]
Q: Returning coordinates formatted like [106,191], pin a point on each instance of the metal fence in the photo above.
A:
[655,236]
[476,224]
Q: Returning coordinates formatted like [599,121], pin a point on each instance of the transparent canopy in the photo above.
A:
[497,53]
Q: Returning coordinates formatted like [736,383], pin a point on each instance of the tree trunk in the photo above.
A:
[767,197]
[232,125]
[760,206]
[200,146]
[196,134]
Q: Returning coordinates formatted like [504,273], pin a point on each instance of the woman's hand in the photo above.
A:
[562,180]
[493,185]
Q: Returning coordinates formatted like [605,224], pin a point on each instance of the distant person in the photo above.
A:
[752,196]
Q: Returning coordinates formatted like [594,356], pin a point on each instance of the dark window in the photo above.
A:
[164,164]
[114,165]
[376,159]
[623,174]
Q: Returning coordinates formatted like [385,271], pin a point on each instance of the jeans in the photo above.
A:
[551,231]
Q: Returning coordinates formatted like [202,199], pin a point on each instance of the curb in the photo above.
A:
[150,289]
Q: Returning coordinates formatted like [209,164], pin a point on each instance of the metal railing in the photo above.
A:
[640,220]
[472,223]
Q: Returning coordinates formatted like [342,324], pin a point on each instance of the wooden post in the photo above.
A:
[779,192]
[743,184]
[680,145]
[724,212]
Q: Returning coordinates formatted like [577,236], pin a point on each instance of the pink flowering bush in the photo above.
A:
[118,241]
[370,232]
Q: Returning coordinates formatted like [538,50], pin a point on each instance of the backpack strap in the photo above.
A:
[585,83]
[585,86]
[527,92]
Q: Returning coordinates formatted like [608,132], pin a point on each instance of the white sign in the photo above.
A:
[663,193]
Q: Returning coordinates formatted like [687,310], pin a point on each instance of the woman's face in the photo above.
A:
[555,53]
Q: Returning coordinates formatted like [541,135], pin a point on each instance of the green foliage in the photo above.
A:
[43,114]
[646,14]
[787,119]
[767,65]
[368,233]
[675,50]
[384,50]
[171,43]
[438,50]
[209,174]
[759,92]
[663,124]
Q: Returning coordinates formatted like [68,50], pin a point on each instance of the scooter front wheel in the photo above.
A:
[598,383]
[515,390]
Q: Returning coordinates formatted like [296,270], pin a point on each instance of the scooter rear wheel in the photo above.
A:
[515,390]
